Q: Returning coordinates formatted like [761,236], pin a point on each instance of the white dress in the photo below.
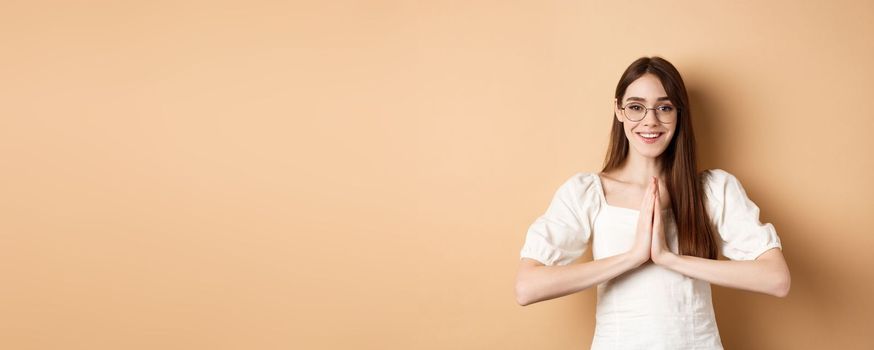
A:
[650,307]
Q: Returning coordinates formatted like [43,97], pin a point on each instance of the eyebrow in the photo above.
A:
[641,99]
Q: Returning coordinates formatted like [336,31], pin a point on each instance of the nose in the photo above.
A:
[650,118]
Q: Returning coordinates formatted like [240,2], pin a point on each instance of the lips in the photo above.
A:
[649,137]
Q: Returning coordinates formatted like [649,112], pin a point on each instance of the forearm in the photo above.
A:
[763,276]
[539,283]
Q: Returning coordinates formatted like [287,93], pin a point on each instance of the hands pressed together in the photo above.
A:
[650,238]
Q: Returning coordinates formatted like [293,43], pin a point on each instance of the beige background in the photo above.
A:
[360,174]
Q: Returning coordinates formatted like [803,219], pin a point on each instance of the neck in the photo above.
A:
[639,169]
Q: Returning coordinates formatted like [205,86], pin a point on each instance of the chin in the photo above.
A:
[649,151]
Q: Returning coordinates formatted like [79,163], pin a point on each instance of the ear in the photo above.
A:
[616,111]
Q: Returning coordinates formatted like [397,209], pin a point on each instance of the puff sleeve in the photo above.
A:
[561,234]
[742,235]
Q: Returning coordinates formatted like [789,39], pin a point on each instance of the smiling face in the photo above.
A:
[648,137]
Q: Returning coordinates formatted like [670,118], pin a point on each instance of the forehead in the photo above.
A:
[648,86]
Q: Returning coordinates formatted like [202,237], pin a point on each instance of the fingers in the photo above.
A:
[648,205]
[657,209]
[648,195]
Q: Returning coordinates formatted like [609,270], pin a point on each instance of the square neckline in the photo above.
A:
[608,205]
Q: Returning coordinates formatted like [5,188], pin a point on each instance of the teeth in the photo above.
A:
[649,136]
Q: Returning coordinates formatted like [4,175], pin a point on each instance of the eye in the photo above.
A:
[666,108]
[635,107]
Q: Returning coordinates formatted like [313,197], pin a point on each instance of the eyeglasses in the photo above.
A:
[636,112]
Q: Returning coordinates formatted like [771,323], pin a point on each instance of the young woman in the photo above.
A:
[655,224]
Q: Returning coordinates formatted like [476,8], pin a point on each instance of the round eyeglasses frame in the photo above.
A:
[646,111]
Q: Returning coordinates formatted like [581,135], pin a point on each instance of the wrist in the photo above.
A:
[666,258]
[633,260]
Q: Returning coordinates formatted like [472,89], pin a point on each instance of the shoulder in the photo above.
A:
[720,185]
[582,192]
[584,188]
[715,179]
[715,173]
[581,182]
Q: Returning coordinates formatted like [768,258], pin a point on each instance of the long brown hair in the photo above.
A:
[679,163]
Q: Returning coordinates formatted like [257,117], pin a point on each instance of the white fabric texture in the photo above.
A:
[650,307]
